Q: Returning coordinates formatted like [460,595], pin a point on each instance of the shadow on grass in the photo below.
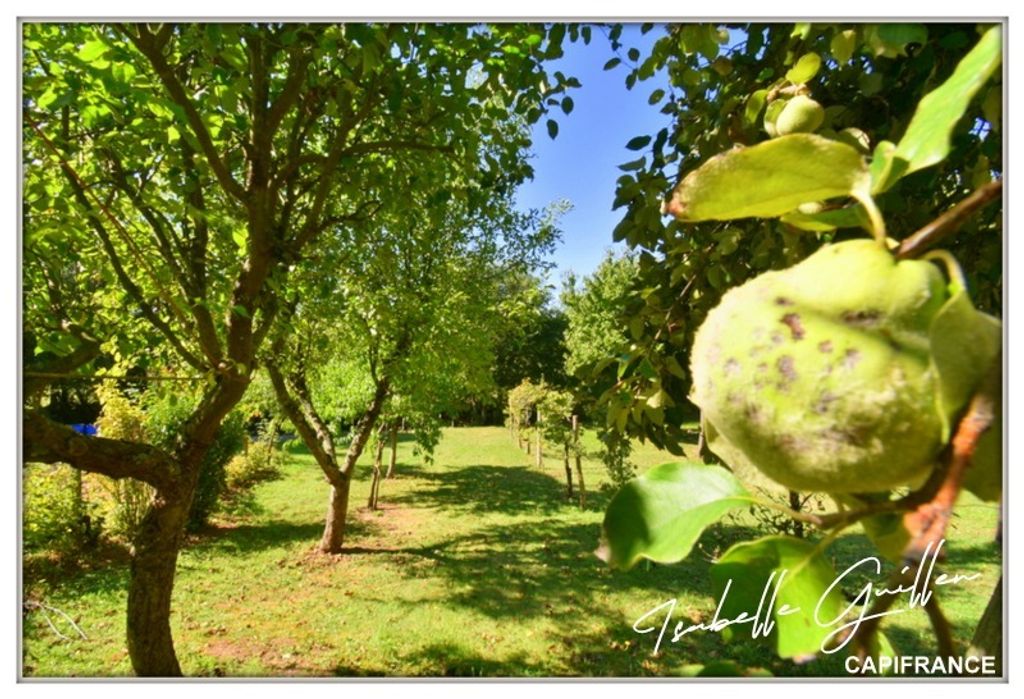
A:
[480,488]
[247,538]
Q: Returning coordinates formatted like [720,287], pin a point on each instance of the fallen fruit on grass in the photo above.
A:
[824,376]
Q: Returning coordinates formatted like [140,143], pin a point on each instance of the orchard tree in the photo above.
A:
[176,173]
[413,301]
[598,333]
[863,371]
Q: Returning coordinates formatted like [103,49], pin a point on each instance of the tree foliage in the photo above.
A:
[723,83]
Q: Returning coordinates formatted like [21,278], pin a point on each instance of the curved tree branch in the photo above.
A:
[49,442]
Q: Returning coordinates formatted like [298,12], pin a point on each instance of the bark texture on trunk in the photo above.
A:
[151,585]
[337,515]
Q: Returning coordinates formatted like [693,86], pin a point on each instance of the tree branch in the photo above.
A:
[949,222]
[49,442]
[38,379]
[152,48]
[122,275]
[293,397]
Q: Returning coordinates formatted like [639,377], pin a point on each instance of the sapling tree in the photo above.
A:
[863,371]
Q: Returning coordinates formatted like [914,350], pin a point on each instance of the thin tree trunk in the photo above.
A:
[579,461]
[540,443]
[568,470]
[375,484]
[337,515]
[393,459]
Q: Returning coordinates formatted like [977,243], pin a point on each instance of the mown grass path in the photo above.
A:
[476,565]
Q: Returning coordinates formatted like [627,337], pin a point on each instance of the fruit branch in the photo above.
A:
[949,222]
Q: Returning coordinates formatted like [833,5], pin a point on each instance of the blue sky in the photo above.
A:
[581,164]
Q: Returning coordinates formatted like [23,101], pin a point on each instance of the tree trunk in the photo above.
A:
[394,450]
[579,461]
[337,514]
[568,470]
[378,457]
[317,437]
[150,586]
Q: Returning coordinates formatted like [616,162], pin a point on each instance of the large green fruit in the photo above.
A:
[823,375]
[800,115]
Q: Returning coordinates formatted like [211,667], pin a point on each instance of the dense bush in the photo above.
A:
[157,418]
[54,516]
[165,417]
[261,462]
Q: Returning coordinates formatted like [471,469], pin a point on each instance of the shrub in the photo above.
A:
[261,463]
[128,499]
[158,419]
[54,516]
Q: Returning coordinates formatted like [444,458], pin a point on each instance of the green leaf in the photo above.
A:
[754,105]
[805,69]
[638,142]
[552,128]
[92,50]
[843,45]
[926,140]
[660,515]
[888,533]
[567,105]
[801,577]
[770,179]
[847,217]
[891,40]
[612,63]
[656,96]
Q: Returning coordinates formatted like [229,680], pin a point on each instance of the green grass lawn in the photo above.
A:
[476,565]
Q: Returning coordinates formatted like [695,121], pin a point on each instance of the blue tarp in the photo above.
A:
[82,428]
